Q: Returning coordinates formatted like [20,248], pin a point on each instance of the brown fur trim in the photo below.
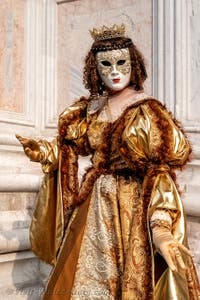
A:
[179,125]
[69,179]
[100,165]
[66,119]
[87,184]
[137,165]
[166,149]
[73,118]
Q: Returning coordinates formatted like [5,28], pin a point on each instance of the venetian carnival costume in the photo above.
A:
[106,238]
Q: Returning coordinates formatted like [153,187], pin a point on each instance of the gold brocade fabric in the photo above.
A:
[107,251]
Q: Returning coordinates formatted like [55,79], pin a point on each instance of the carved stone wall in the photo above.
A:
[42,49]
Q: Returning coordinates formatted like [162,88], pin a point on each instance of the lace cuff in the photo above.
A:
[161,218]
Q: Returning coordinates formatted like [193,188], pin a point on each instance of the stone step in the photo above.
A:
[14,240]
[12,220]
[19,270]
[23,276]
[17,201]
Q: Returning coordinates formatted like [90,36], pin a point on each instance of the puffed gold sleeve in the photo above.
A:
[50,152]
[156,144]
[153,137]
[180,145]
[72,127]
[165,196]
[138,133]
[71,122]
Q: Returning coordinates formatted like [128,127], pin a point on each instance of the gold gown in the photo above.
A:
[98,236]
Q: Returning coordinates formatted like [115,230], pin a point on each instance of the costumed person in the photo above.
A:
[121,234]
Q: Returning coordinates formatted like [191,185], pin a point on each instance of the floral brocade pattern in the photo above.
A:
[106,236]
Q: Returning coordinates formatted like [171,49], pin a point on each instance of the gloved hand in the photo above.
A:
[31,148]
[169,248]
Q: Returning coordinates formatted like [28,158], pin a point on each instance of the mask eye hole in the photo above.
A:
[121,62]
[106,63]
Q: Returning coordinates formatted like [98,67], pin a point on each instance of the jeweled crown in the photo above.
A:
[106,33]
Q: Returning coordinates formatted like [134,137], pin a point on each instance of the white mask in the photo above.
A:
[114,67]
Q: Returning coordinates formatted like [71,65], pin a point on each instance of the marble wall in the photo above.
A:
[194,36]
[12,51]
[42,49]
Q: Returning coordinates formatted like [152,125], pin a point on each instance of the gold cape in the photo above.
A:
[98,236]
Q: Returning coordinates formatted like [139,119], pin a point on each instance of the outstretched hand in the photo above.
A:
[31,148]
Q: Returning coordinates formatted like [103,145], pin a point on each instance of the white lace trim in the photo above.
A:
[106,115]
[161,215]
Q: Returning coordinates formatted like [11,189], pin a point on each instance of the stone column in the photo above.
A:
[28,108]
[176,71]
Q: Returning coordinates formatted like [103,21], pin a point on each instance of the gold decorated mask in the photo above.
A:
[119,58]
[114,67]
